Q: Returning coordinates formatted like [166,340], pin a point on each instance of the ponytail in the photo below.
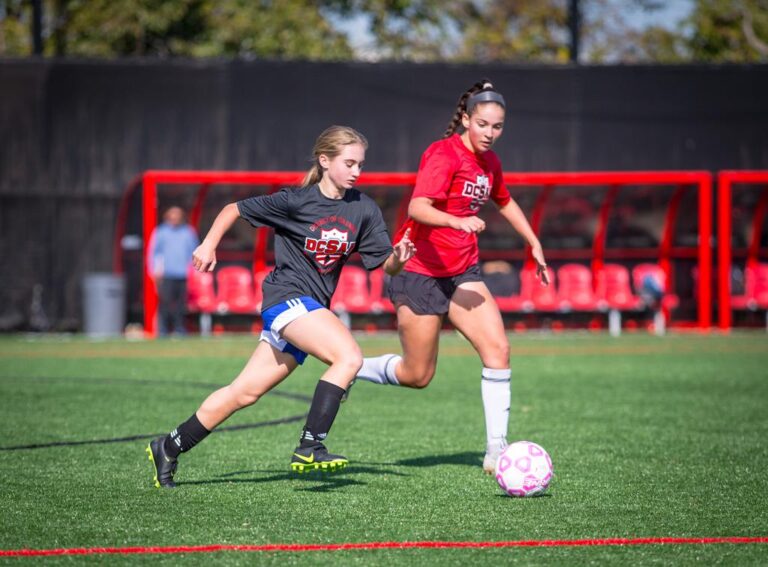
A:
[464,107]
[313,175]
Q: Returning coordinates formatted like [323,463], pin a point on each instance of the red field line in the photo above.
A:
[383,545]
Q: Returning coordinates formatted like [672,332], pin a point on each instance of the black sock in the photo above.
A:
[322,412]
[185,436]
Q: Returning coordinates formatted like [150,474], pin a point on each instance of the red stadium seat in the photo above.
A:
[755,289]
[520,302]
[574,289]
[503,281]
[201,296]
[613,290]
[512,303]
[352,295]
[535,295]
[235,290]
[380,302]
[642,272]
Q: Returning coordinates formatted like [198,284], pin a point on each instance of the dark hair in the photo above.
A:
[465,105]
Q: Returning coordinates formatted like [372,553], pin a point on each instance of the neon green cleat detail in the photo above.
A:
[316,457]
[164,466]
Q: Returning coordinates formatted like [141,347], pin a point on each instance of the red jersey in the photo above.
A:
[459,181]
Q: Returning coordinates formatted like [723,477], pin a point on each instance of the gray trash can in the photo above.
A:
[103,304]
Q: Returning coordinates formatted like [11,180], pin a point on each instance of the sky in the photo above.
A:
[668,16]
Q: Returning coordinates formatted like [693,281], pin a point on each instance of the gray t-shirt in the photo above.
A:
[314,236]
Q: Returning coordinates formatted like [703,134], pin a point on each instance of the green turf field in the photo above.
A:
[650,437]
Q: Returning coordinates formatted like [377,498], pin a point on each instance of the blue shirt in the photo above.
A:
[172,248]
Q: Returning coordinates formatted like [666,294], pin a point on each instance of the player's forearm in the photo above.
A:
[392,265]
[421,210]
[223,222]
[515,216]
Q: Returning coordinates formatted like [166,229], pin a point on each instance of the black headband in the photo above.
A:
[484,96]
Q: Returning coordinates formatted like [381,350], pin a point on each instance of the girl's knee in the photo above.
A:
[419,379]
[350,361]
[504,353]
[497,356]
[245,398]
[353,363]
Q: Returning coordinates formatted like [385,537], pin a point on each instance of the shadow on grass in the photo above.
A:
[328,481]
[321,482]
[353,469]
[534,497]
[466,458]
[148,436]
[317,481]
[470,459]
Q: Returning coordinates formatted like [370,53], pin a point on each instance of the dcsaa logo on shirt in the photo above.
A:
[331,246]
[479,192]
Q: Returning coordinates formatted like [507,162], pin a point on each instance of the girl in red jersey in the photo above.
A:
[456,176]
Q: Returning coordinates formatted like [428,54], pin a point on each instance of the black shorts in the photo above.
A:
[426,295]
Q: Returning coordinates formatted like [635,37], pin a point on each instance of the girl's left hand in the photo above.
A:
[405,249]
[541,264]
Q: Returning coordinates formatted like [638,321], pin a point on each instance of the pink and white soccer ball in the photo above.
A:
[524,469]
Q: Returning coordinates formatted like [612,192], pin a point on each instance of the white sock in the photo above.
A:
[497,397]
[380,369]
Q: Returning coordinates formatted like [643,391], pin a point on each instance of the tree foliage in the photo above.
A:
[612,34]
[15,23]
[417,30]
[462,30]
[294,29]
[728,30]
[715,31]
[526,30]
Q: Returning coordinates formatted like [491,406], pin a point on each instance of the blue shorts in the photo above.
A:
[279,315]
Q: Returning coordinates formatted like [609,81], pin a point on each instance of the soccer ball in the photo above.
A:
[524,469]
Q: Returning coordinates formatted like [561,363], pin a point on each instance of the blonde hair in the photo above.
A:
[330,143]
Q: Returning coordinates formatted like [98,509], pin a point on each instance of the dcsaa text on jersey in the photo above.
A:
[479,192]
[331,246]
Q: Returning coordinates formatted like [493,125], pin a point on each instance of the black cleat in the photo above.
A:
[165,467]
[314,457]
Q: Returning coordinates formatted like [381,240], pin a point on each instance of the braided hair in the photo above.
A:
[482,85]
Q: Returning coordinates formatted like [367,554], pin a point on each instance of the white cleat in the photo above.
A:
[492,454]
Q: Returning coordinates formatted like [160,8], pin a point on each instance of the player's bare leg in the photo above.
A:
[266,368]
[474,312]
[321,334]
[419,338]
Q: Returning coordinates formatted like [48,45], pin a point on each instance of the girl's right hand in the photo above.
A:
[405,249]
[204,258]
[541,264]
[469,224]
